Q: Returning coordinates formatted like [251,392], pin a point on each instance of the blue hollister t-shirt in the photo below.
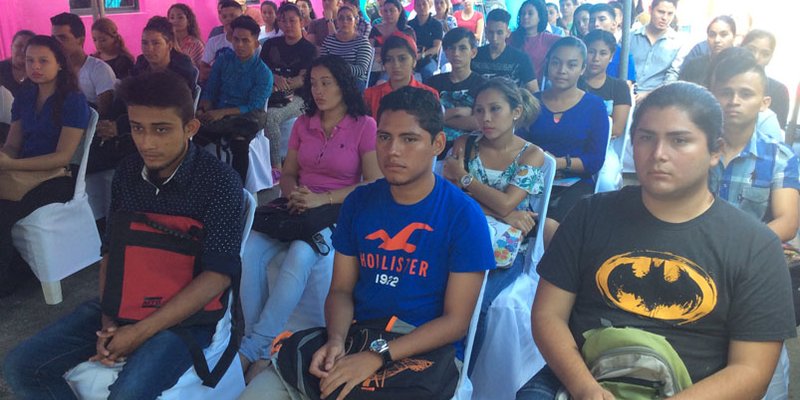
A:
[406,252]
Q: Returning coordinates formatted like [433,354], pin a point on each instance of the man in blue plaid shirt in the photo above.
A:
[755,173]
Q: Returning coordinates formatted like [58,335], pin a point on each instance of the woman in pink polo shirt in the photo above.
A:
[331,151]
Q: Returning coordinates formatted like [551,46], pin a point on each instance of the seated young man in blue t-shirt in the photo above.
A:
[232,102]
[411,245]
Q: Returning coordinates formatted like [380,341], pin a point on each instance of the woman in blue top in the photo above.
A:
[573,126]
[503,172]
[48,120]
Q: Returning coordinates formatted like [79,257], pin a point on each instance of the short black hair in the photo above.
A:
[163,89]
[656,2]
[691,98]
[23,33]
[455,35]
[289,7]
[73,21]
[420,103]
[161,25]
[228,4]
[735,61]
[247,23]
[599,35]
[499,15]
[602,7]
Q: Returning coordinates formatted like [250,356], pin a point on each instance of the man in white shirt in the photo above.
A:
[95,78]
[229,10]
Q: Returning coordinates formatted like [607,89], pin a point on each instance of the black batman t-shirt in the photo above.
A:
[701,283]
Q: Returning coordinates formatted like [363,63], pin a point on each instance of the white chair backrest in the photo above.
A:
[473,325]
[539,205]
[597,185]
[6,99]
[249,212]
[621,145]
[369,70]
[197,91]
[80,180]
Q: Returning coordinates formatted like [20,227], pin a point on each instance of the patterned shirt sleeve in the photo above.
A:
[529,179]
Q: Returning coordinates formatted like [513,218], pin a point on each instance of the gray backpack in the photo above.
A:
[633,364]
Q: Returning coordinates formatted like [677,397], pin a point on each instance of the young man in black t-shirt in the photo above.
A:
[457,88]
[429,34]
[498,59]
[615,92]
[668,258]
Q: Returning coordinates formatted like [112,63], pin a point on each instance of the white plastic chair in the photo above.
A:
[626,152]
[90,380]
[369,70]
[60,239]
[609,177]
[6,99]
[464,388]
[197,91]
[259,170]
[509,357]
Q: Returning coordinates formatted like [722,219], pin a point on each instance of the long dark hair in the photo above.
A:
[108,27]
[587,8]
[66,81]
[191,26]
[346,81]
[402,20]
[519,34]
[311,14]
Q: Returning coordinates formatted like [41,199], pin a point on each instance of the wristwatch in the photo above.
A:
[381,347]
[568,162]
[465,181]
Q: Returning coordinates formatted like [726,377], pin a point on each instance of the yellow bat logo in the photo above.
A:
[657,285]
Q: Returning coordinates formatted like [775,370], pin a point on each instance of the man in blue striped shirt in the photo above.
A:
[756,174]
[232,102]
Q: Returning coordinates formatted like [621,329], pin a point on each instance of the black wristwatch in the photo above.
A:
[568,160]
[381,347]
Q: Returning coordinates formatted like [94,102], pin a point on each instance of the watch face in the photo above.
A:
[466,180]
[378,345]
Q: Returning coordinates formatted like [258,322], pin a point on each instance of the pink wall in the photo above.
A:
[35,15]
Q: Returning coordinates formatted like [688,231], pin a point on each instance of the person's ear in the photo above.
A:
[190,128]
[716,153]
[439,143]
[765,103]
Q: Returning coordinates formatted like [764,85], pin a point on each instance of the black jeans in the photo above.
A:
[238,131]
[57,190]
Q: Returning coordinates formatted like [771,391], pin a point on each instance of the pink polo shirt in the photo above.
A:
[331,163]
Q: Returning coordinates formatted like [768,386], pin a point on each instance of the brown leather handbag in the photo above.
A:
[14,184]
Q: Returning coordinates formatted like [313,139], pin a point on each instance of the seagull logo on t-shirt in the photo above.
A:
[400,240]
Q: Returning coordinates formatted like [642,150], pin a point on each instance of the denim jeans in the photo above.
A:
[269,320]
[35,368]
[543,386]
[497,280]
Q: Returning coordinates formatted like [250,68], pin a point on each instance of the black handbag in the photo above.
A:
[431,376]
[275,220]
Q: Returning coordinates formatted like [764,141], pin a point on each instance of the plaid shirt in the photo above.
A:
[748,179]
